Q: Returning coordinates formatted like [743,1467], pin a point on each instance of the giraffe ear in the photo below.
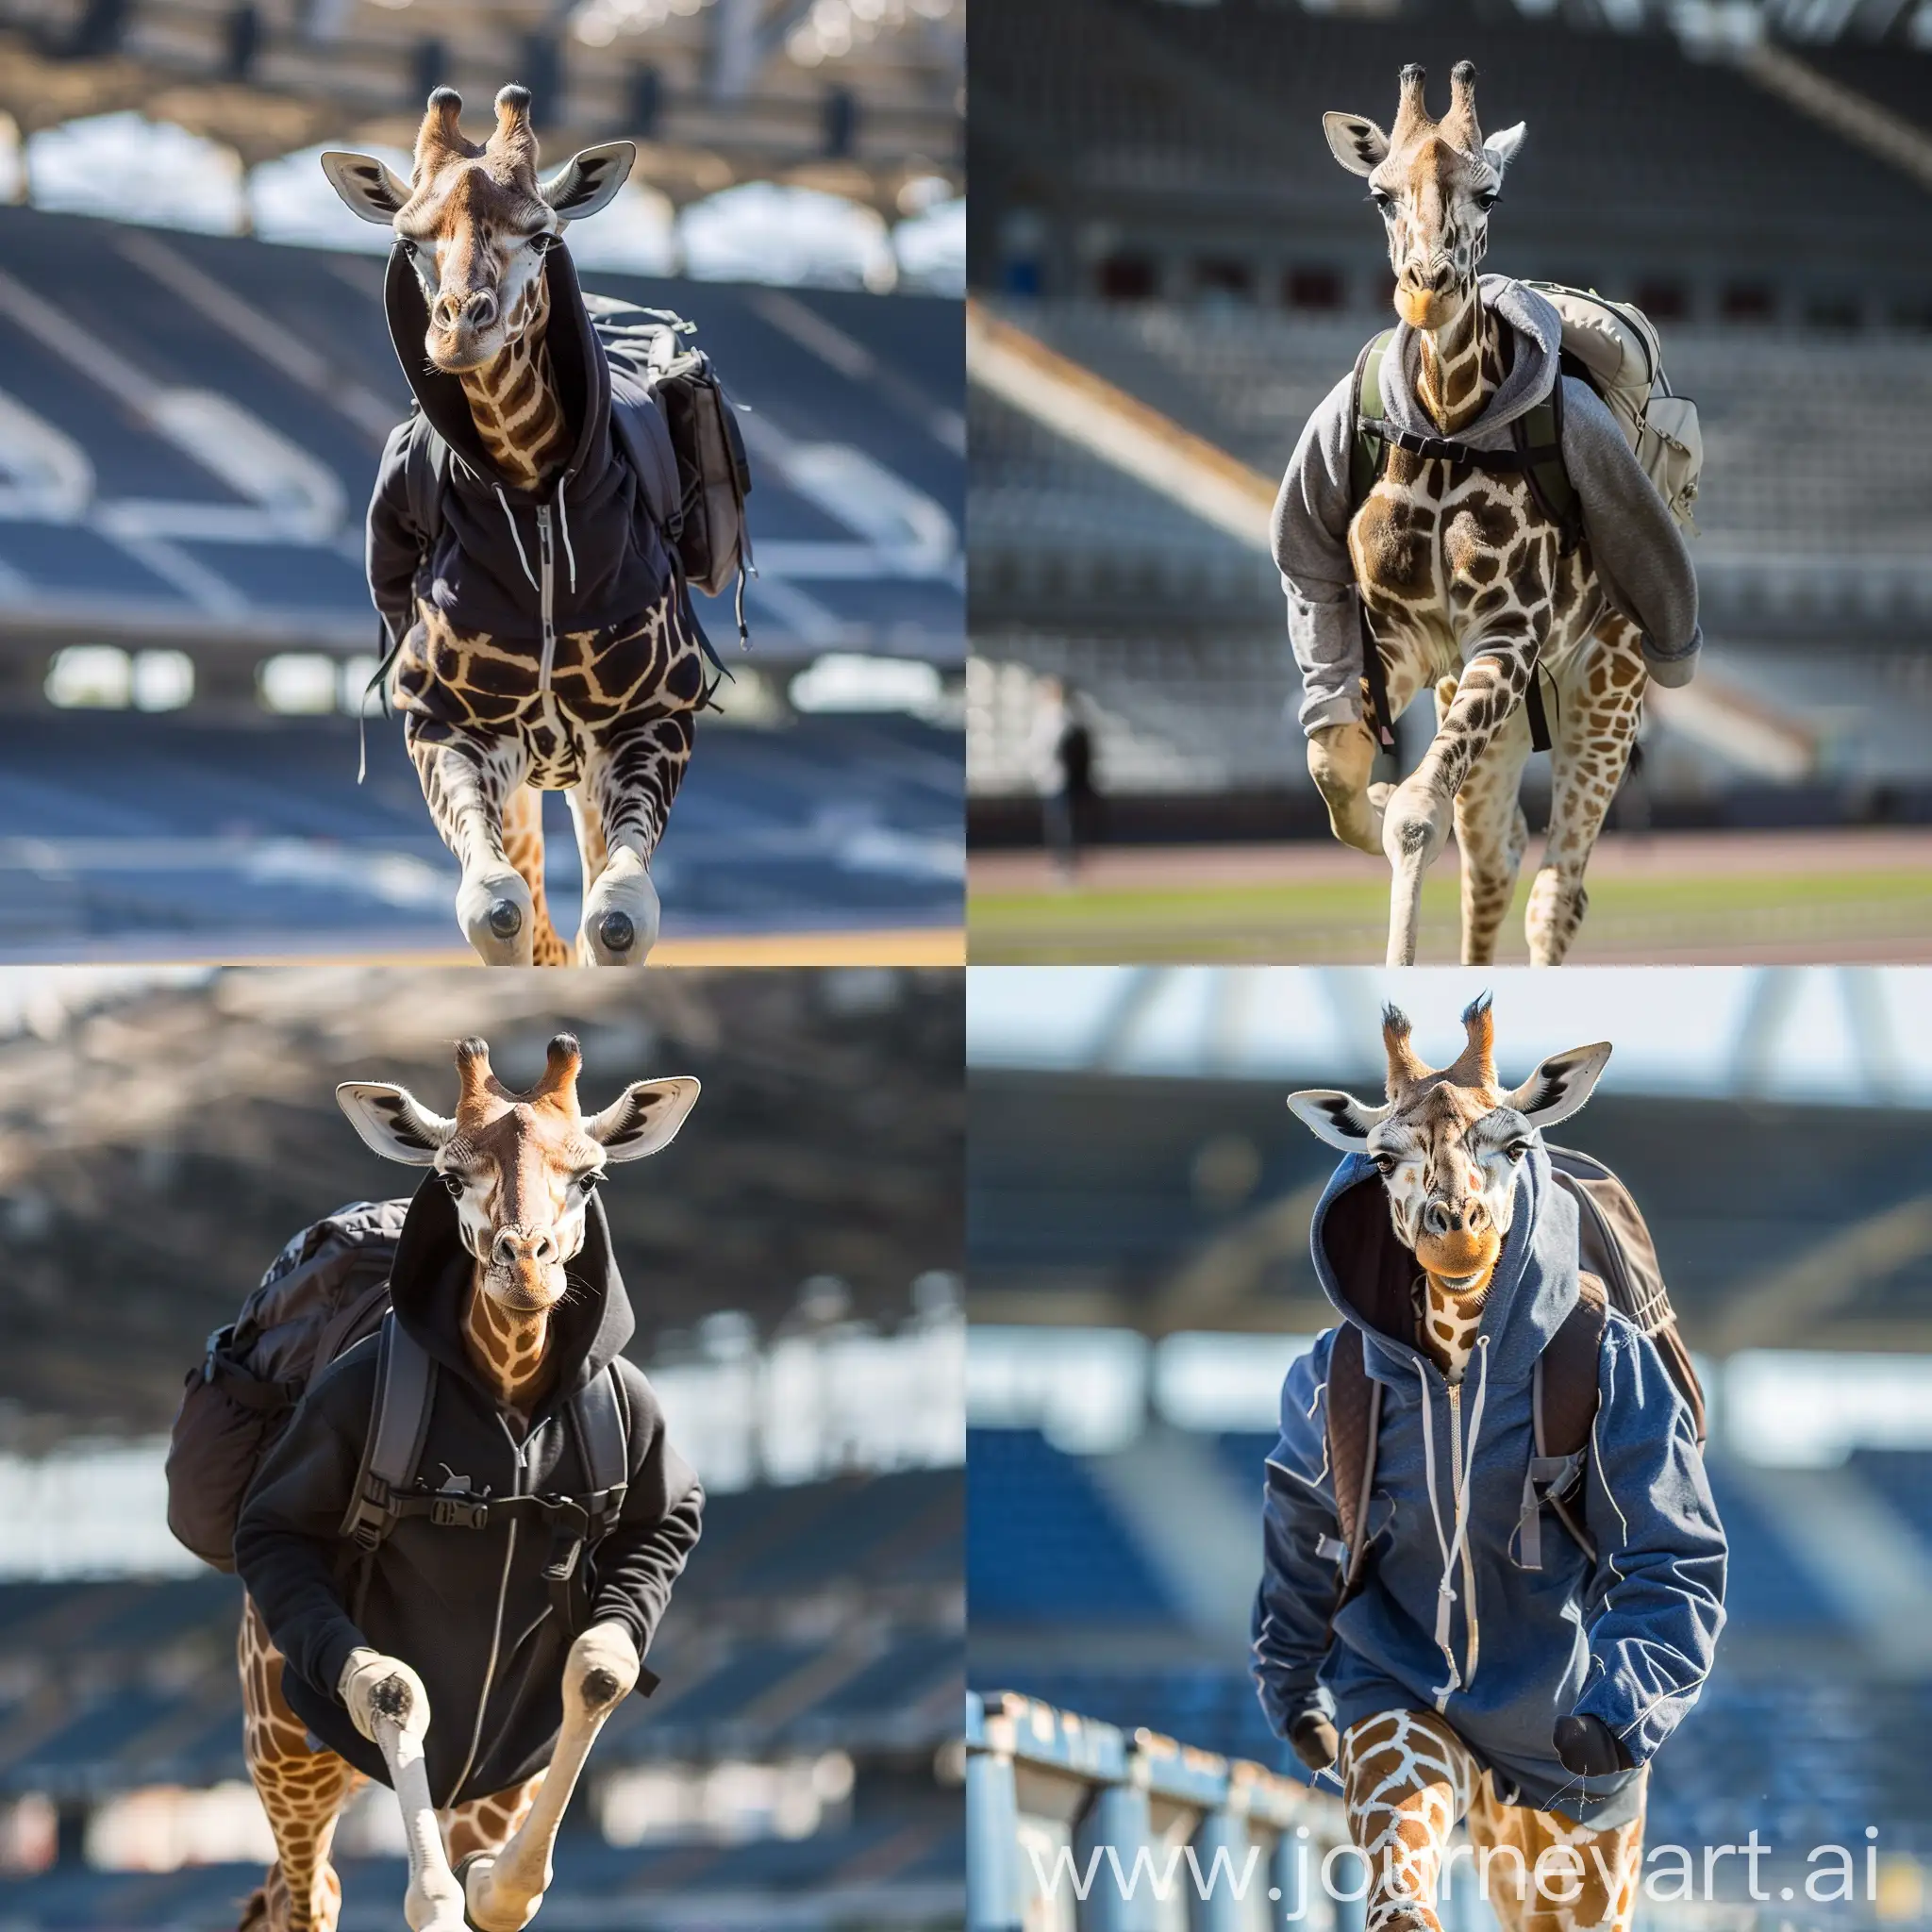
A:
[1337,1118]
[1356,141]
[1560,1085]
[370,187]
[644,1118]
[590,180]
[1500,149]
[392,1122]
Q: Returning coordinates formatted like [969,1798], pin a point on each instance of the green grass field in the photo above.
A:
[1826,914]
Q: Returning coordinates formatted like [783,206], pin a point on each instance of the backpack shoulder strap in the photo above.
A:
[1368,448]
[1537,436]
[1563,1400]
[398,1422]
[597,1416]
[1354,1418]
[425,470]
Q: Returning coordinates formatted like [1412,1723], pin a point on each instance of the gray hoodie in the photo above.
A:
[1641,558]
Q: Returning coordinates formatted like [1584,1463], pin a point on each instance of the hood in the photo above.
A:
[1539,331]
[431,1275]
[576,363]
[1368,1275]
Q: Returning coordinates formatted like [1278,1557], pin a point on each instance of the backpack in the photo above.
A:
[1611,345]
[1619,1271]
[326,1290]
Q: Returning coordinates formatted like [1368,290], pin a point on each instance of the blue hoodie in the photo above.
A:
[1629,1639]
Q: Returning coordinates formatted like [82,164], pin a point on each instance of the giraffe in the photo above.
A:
[520,1168]
[1448,1145]
[1467,582]
[492,721]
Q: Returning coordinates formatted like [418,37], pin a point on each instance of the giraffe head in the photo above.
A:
[1435,182]
[1448,1141]
[520,1166]
[476,222]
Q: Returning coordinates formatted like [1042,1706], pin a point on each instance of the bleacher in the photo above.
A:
[1197,137]
[783,1639]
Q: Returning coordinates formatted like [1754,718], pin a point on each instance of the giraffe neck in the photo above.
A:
[1458,363]
[1449,1322]
[510,1352]
[513,400]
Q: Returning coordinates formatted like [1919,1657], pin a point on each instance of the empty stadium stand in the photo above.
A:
[781,1643]
[1194,145]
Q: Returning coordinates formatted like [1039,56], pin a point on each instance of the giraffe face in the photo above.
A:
[475,223]
[1449,1143]
[1448,1162]
[1434,183]
[521,1167]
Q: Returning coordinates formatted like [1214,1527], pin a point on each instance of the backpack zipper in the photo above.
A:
[546,571]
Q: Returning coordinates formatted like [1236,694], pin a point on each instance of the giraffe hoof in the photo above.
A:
[618,931]
[506,920]
[495,912]
[620,915]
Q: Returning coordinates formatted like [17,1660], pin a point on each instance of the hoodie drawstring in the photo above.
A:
[1451,1544]
[509,517]
[563,528]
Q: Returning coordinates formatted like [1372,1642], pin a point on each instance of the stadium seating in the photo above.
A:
[1042,1545]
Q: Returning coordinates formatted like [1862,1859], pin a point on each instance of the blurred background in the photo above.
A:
[1137,1204]
[793,1260]
[199,382]
[1169,271]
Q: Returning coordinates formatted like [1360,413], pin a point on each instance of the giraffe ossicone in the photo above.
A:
[519,1167]
[541,638]
[1472,587]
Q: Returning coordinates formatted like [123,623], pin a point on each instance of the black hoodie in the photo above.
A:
[608,564]
[468,1609]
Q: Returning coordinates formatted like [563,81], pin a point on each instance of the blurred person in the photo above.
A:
[1062,762]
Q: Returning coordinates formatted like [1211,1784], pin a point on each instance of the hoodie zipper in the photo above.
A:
[509,1551]
[546,571]
[1456,1475]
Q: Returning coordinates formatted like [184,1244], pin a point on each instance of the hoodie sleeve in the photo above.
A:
[1639,552]
[288,1539]
[1660,1577]
[395,543]
[662,1516]
[1311,534]
[1298,1582]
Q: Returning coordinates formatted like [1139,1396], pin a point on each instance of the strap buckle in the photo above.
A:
[449,1511]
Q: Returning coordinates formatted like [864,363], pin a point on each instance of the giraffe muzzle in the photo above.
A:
[526,1267]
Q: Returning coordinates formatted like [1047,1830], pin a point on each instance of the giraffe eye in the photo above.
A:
[453,1182]
[1382,198]
[588,1182]
[1517,1149]
[1385,1164]
[1485,200]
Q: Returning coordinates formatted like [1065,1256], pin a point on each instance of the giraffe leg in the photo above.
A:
[505,1891]
[468,783]
[1490,832]
[522,845]
[1415,825]
[1405,1779]
[1541,1873]
[303,1792]
[1593,737]
[632,776]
